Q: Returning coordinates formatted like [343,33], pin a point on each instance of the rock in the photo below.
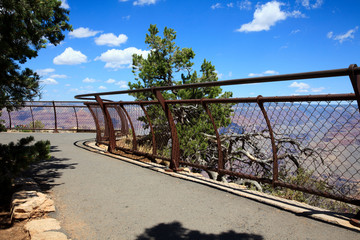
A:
[49,236]
[186,170]
[28,204]
[42,225]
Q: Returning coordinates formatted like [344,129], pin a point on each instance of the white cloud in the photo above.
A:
[305,88]
[267,72]
[230,74]
[295,31]
[320,89]
[343,37]
[81,90]
[110,80]
[296,14]
[83,33]
[116,58]
[110,39]
[219,75]
[45,71]
[266,16]
[144,2]
[70,57]
[49,81]
[64,4]
[89,80]
[216,5]
[122,84]
[255,74]
[330,35]
[58,76]
[126,17]
[271,72]
[245,4]
[67,85]
[317,4]
[301,87]
[102,87]
[230,5]
[311,4]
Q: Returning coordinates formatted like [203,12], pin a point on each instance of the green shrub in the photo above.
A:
[36,125]
[16,158]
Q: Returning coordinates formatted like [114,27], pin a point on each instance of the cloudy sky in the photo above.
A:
[241,38]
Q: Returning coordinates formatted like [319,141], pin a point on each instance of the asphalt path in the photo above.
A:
[99,197]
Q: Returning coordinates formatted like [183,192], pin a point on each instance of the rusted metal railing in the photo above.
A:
[50,115]
[306,143]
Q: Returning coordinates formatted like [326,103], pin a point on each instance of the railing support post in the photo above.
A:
[272,138]
[151,129]
[77,122]
[355,81]
[134,142]
[56,130]
[221,163]
[175,148]
[124,125]
[97,125]
[108,123]
[32,117]
[9,119]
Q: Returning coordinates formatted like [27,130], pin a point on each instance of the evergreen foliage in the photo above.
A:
[26,26]
[167,65]
[16,158]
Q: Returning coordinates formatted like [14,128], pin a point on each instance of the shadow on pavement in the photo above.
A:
[45,172]
[54,149]
[176,231]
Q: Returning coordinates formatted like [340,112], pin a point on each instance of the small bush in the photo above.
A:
[36,125]
[16,158]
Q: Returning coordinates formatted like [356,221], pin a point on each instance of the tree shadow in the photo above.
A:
[176,231]
[54,149]
[45,172]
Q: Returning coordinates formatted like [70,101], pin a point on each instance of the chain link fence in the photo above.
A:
[46,115]
[305,148]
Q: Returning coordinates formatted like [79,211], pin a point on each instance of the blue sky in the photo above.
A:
[241,38]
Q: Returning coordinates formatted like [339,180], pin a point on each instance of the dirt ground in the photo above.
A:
[8,230]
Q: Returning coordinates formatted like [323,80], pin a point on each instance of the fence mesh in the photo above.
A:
[40,116]
[196,135]
[319,142]
[246,141]
[102,135]
[85,120]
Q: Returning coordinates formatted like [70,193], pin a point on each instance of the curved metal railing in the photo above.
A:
[305,143]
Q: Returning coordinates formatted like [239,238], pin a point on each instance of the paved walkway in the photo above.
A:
[98,197]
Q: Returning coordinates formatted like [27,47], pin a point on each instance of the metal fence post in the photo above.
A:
[77,122]
[134,142]
[9,119]
[273,145]
[97,125]
[32,117]
[175,148]
[124,125]
[56,130]
[151,128]
[108,123]
[221,163]
[355,81]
